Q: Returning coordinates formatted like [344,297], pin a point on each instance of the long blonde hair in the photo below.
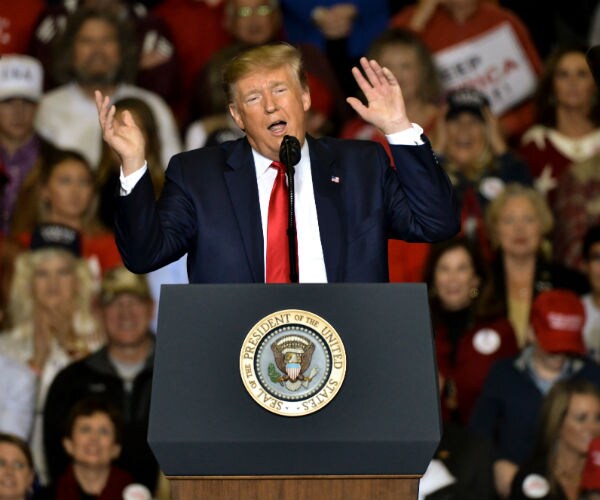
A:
[21,303]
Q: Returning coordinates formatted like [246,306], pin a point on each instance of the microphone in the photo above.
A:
[289,155]
[289,151]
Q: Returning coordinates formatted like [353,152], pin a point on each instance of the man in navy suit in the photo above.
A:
[348,199]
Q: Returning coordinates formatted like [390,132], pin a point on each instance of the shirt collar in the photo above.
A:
[262,163]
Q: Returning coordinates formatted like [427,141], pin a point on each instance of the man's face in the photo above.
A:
[253,22]
[269,105]
[96,53]
[127,320]
[16,119]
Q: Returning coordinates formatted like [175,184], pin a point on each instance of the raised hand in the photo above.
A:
[122,134]
[385,104]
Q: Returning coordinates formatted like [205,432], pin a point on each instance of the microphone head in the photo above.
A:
[289,151]
[593,59]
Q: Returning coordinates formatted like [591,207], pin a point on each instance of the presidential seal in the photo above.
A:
[292,362]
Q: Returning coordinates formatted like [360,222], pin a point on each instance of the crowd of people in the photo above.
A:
[511,109]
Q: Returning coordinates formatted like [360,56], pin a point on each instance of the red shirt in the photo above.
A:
[478,349]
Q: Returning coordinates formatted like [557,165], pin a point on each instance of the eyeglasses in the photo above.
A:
[16,465]
[261,10]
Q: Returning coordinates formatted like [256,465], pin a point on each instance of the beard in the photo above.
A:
[89,76]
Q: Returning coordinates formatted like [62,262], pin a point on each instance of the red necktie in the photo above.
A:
[278,256]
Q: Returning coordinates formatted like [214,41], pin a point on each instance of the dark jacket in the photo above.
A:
[532,480]
[95,376]
[508,407]
[209,208]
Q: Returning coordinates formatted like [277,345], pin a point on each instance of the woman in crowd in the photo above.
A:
[410,61]
[51,313]
[576,211]
[466,343]
[518,221]
[66,194]
[16,468]
[567,127]
[477,158]
[92,439]
[107,177]
[569,421]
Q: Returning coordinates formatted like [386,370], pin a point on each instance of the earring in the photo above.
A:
[474,292]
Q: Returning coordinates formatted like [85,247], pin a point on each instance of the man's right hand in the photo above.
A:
[122,134]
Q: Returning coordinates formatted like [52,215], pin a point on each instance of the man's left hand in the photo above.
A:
[385,105]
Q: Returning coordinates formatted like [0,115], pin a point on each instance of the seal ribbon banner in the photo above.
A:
[292,362]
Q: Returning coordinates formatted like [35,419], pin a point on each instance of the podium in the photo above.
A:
[373,440]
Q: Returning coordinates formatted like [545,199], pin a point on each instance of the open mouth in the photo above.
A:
[278,126]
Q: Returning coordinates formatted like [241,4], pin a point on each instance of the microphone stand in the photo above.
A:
[291,231]
[290,156]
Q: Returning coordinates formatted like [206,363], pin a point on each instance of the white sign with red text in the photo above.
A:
[495,63]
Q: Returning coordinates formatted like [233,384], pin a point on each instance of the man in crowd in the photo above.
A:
[218,202]
[96,52]
[157,64]
[253,23]
[120,372]
[514,389]
[21,149]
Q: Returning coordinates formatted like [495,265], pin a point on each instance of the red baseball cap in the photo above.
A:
[557,317]
[590,479]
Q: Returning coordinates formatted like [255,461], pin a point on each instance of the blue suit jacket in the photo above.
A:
[209,208]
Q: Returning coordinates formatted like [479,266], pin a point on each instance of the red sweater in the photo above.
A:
[67,487]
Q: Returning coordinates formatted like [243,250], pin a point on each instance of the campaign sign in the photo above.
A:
[495,63]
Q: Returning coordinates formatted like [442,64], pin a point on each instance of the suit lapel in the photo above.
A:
[327,179]
[243,192]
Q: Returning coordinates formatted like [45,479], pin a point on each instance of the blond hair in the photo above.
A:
[514,190]
[21,303]
[263,58]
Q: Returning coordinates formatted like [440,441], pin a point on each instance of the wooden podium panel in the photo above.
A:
[294,487]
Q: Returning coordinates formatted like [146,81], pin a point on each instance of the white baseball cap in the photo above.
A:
[20,76]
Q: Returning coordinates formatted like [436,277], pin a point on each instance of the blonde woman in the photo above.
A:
[519,222]
[51,313]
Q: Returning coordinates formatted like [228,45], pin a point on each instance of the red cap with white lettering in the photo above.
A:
[557,318]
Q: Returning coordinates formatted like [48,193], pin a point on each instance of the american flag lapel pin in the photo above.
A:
[335,178]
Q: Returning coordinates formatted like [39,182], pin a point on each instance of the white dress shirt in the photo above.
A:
[311,263]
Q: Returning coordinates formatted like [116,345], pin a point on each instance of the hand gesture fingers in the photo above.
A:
[385,104]
[121,133]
